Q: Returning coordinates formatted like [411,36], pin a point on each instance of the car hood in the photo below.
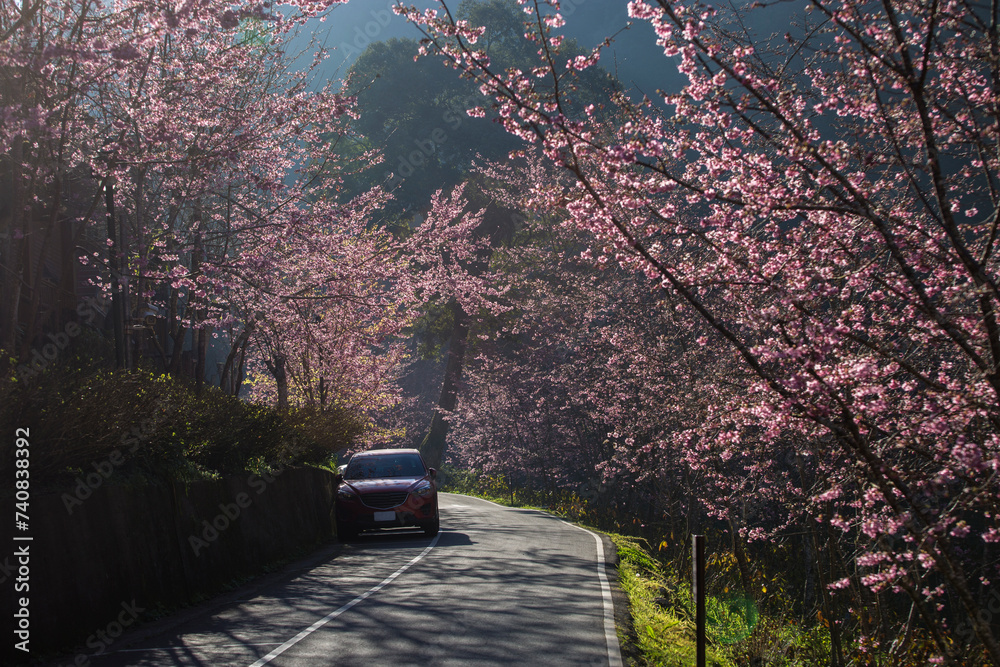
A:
[383,484]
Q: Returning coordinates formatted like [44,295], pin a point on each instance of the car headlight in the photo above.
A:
[346,493]
[423,489]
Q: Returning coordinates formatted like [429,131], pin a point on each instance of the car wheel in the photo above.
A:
[346,532]
[431,527]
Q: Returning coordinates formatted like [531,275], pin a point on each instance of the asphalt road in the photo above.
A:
[497,586]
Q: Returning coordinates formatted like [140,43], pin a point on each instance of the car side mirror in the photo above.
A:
[338,478]
[433,472]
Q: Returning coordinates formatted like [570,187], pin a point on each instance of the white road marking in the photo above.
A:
[610,635]
[199,647]
[337,612]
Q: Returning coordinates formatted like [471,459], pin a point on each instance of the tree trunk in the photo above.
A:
[12,260]
[240,371]
[177,333]
[497,224]
[230,371]
[200,351]
[196,304]
[739,553]
[114,262]
[433,445]
[277,368]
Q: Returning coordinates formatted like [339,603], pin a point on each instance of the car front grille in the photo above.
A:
[383,500]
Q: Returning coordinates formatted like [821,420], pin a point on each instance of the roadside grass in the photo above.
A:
[738,632]
[660,609]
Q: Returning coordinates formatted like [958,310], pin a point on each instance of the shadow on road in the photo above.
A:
[400,538]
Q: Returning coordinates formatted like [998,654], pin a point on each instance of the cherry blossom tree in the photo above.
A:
[825,212]
[129,102]
[332,315]
[213,155]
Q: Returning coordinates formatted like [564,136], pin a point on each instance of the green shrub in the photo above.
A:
[157,427]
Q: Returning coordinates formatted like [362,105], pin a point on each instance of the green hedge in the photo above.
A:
[156,426]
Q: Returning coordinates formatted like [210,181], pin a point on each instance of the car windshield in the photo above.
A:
[390,465]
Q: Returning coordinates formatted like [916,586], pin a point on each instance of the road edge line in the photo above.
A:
[610,630]
[340,610]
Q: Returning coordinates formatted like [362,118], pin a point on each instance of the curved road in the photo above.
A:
[497,586]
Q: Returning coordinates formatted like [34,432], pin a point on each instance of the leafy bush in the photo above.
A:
[157,427]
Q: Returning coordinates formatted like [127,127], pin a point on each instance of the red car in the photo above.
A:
[386,488]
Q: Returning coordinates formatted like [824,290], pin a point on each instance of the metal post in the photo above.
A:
[699,597]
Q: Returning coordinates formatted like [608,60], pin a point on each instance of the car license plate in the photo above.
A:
[385,516]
